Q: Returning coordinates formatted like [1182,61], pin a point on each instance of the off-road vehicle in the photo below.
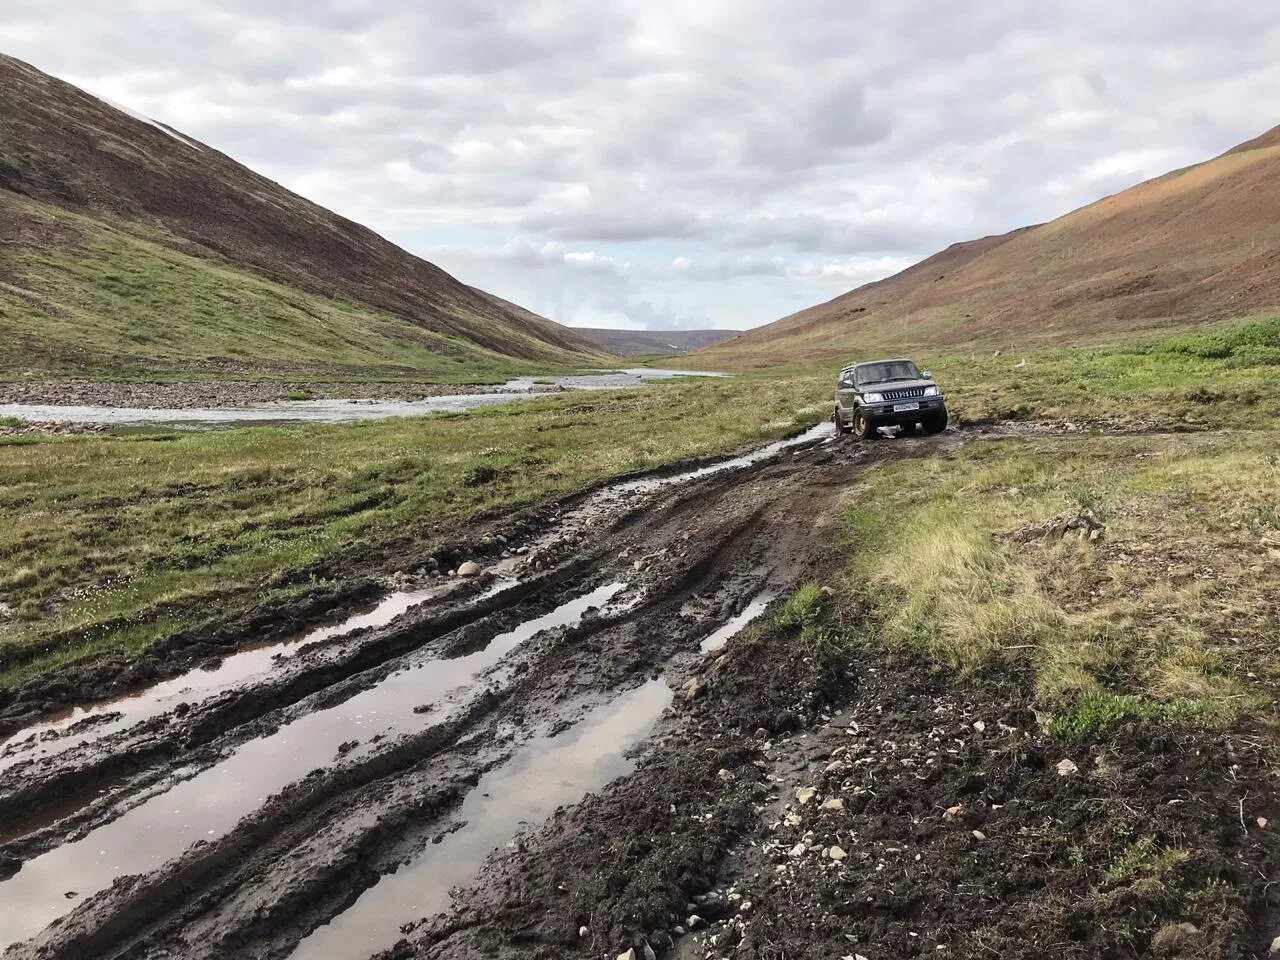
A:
[886,393]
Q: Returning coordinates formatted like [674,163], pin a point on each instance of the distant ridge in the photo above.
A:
[656,342]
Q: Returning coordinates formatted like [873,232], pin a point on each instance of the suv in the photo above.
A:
[885,393]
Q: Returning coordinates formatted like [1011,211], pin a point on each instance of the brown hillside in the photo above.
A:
[62,146]
[1188,248]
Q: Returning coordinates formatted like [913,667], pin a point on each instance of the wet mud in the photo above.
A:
[593,747]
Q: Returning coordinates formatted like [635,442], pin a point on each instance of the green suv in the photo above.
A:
[888,393]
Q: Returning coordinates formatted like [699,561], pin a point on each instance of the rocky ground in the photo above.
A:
[799,798]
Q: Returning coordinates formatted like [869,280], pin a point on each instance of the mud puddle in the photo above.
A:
[737,624]
[211,802]
[545,774]
[55,734]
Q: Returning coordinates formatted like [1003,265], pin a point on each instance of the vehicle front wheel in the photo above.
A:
[862,428]
[935,424]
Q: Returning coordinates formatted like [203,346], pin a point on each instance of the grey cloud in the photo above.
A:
[836,134]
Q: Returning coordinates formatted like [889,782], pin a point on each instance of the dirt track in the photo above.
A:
[328,804]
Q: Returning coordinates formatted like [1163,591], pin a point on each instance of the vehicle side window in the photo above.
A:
[846,383]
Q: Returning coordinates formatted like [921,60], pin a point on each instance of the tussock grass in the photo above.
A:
[1156,621]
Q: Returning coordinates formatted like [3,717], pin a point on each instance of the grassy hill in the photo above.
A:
[1190,248]
[126,248]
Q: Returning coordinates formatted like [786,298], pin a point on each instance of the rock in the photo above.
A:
[837,853]
[979,726]
[979,835]
[1275,946]
[468,568]
[1262,823]
[584,932]
[691,688]
[836,766]
[1067,767]
[952,812]
[798,850]
[1177,940]
[629,955]
[724,774]
[694,921]
[762,733]
[835,803]
[638,565]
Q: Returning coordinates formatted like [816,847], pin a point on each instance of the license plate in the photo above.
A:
[904,407]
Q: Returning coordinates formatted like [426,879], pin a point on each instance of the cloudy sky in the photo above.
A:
[646,163]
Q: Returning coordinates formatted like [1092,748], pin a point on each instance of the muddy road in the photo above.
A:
[311,794]
[575,752]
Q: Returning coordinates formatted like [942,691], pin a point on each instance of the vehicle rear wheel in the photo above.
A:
[862,428]
[935,424]
[841,426]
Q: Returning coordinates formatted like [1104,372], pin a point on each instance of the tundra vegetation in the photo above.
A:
[112,542]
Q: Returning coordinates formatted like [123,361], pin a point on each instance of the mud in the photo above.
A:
[596,745]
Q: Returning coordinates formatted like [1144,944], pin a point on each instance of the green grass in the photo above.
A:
[1221,377]
[124,300]
[1162,620]
[109,543]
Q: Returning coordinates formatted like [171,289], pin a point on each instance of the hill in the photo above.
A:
[652,342]
[126,246]
[1189,248]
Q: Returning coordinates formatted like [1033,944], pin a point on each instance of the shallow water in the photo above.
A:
[195,686]
[211,803]
[546,773]
[737,624]
[329,411]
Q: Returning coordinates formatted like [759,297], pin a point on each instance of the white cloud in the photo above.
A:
[639,152]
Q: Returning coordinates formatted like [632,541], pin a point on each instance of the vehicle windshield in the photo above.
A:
[889,370]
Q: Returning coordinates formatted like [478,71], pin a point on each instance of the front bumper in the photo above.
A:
[883,414]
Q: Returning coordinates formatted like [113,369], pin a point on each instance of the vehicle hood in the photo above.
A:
[896,385]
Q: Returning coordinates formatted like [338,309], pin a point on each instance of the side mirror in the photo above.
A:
[928,374]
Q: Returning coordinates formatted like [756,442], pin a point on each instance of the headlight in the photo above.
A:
[930,391]
[873,397]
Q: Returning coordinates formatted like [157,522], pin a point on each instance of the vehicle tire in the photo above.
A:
[862,428]
[935,424]
[841,426]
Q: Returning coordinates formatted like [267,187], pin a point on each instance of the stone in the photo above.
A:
[798,850]
[979,726]
[835,803]
[1067,767]
[584,932]
[638,565]
[630,954]
[691,688]
[836,766]
[1275,946]
[468,568]
[979,835]
[694,921]
[952,812]
[1262,823]
[837,853]
[805,794]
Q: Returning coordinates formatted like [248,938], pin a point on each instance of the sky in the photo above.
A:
[656,164]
